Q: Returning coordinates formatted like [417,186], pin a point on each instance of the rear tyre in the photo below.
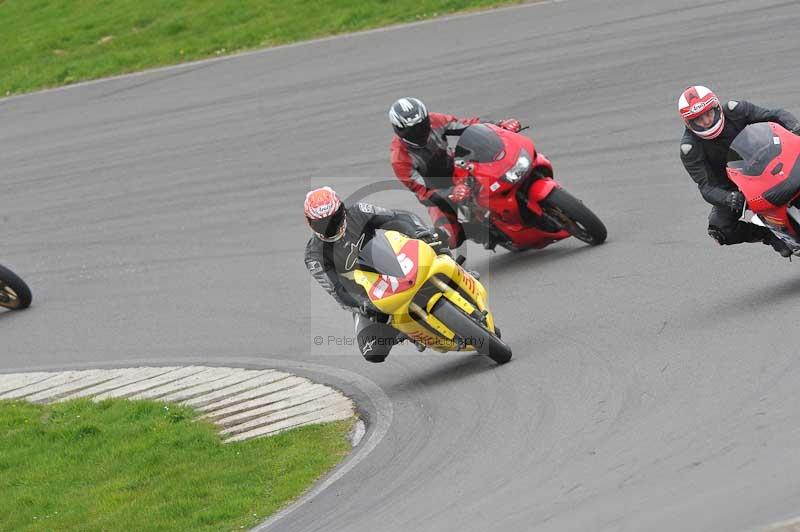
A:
[14,293]
[576,217]
[467,328]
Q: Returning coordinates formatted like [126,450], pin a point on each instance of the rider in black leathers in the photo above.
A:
[332,254]
[710,130]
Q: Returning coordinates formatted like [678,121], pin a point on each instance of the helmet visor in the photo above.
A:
[417,133]
[330,228]
[707,120]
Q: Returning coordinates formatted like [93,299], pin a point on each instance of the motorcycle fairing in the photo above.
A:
[436,275]
[763,163]
[396,261]
[784,191]
[498,202]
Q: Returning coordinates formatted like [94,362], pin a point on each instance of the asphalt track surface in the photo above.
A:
[653,386]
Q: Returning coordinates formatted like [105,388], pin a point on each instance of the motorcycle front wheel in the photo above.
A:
[576,217]
[469,330]
[14,293]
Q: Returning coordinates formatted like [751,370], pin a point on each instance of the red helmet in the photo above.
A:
[325,214]
[697,101]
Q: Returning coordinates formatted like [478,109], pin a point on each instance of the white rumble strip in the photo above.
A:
[243,403]
[792,525]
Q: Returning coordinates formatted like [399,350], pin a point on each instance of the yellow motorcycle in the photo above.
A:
[429,298]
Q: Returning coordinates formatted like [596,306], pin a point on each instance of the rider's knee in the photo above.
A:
[719,235]
[375,349]
[375,338]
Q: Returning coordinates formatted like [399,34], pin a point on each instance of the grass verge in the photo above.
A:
[142,465]
[55,42]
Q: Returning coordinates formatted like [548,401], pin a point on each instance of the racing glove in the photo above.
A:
[460,193]
[432,239]
[736,202]
[426,235]
[511,124]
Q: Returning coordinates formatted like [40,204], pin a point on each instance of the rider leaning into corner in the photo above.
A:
[423,162]
[339,234]
[710,130]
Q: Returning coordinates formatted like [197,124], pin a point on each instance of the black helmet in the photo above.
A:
[410,120]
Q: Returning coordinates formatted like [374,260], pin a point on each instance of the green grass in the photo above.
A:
[55,42]
[141,465]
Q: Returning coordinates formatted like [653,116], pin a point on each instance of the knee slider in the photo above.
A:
[717,234]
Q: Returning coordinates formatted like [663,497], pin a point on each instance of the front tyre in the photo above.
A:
[14,293]
[468,329]
[576,217]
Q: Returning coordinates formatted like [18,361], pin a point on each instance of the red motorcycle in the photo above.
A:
[762,162]
[515,201]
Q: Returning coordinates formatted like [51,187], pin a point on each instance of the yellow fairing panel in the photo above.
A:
[443,272]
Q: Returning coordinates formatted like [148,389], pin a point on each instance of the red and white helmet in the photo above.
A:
[325,214]
[697,101]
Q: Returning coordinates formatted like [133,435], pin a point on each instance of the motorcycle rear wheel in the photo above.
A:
[467,328]
[576,217]
[14,293]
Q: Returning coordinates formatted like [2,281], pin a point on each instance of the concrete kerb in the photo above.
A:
[373,408]
[790,525]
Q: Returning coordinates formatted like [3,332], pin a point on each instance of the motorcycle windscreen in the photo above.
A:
[753,149]
[480,144]
[379,256]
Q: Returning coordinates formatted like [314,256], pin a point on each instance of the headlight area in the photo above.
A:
[520,168]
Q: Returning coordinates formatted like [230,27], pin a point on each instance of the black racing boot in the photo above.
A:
[490,241]
[460,261]
[778,245]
